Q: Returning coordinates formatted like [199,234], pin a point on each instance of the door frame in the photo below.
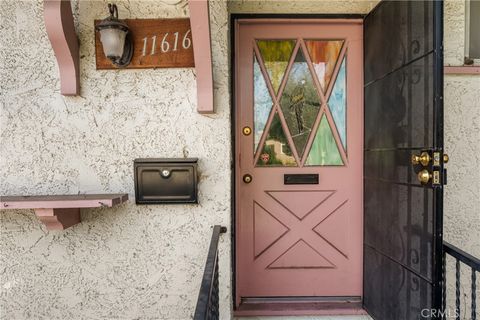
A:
[438,253]
[234,18]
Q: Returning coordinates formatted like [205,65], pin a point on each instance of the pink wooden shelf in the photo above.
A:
[461,69]
[59,212]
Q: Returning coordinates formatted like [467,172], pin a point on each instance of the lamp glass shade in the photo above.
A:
[113,42]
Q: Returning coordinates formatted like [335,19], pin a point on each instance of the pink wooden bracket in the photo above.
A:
[202,51]
[61,32]
[61,211]
[58,219]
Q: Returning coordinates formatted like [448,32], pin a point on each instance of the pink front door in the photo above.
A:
[299,158]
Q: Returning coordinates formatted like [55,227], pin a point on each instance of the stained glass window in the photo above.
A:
[276,150]
[338,103]
[311,75]
[324,150]
[276,55]
[324,55]
[262,103]
[300,102]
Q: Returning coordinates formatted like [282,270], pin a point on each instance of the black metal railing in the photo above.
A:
[461,258]
[207,303]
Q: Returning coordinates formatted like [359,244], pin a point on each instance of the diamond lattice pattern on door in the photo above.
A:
[300,103]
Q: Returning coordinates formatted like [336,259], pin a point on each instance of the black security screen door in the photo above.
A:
[403,118]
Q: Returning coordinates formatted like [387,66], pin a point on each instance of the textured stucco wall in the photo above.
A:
[462,143]
[134,262]
[462,137]
[145,262]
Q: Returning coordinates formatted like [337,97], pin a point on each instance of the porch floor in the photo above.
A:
[352,317]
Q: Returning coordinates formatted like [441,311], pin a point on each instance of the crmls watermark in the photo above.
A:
[439,314]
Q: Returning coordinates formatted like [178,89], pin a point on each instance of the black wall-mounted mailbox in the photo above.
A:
[163,180]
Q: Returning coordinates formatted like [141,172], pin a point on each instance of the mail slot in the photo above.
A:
[300,178]
[163,181]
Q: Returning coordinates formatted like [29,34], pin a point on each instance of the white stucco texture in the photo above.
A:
[462,143]
[146,262]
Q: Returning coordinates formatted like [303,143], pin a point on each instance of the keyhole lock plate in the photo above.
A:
[247,178]
[165,173]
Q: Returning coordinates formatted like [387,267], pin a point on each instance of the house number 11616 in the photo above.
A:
[165,45]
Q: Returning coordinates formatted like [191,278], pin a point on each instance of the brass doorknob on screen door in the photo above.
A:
[424,176]
[423,159]
[246,131]
[247,178]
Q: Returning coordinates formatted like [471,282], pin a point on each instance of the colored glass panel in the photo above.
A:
[324,150]
[324,55]
[300,102]
[276,150]
[262,103]
[276,54]
[338,103]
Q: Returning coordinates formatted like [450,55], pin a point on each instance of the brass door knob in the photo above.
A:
[247,178]
[424,176]
[423,159]
[246,131]
[445,158]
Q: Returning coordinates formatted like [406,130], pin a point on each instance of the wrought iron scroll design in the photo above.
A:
[208,303]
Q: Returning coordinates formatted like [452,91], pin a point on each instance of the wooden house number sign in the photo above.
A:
[157,43]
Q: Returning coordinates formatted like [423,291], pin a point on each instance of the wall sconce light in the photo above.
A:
[116,38]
